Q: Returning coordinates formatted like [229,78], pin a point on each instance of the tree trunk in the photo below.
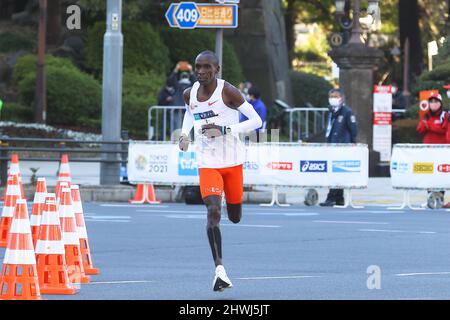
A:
[290,20]
[53,22]
[409,28]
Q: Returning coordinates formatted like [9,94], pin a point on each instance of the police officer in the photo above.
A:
[341,128]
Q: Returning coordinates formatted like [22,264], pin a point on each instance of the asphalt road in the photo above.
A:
[160,252]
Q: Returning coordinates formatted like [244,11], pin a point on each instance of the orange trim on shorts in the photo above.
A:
[214,181]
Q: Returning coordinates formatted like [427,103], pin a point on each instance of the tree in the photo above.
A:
[409,29]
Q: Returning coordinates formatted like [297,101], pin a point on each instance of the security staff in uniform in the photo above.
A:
[341,128]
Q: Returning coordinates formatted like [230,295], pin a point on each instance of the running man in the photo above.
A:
[212,107]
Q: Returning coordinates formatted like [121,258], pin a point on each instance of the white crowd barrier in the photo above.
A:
[420,167]
[266,164]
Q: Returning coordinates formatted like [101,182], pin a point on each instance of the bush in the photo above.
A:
[10,42]
[143,48]
[309,88]
[28,65]
[73,97]
[187,44]
[139,92]
[16,112]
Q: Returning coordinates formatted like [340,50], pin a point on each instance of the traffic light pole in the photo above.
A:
[112,91]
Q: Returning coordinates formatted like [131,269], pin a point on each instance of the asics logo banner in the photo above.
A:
[313,166]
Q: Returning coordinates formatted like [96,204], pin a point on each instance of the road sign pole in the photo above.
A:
[112,91]
[219,49]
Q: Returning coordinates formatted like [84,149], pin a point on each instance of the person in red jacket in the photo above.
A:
[434,125]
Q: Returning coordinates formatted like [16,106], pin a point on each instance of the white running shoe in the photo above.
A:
[221,281]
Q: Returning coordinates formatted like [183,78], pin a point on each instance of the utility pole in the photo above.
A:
[219,49]
[40,112]
[112,91]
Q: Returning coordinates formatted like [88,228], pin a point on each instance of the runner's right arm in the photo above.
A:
[188,123]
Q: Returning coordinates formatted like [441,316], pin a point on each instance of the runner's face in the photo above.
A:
[205,70]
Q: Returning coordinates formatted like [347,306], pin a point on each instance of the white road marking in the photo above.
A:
[120,282]
[351,222]
[110,217]
[173,211]
[134,205]
[277,277]
[251,225]
[402,231]
[301,214]
[98,220]
[383,211]
[420,274]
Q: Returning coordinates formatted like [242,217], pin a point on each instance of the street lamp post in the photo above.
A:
[356,62]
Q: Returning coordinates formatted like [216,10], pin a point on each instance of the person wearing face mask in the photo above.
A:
[434,127]
[341,128]
[254,98]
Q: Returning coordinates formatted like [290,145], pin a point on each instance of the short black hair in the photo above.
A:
[340,91]
[212,55]
[254,91]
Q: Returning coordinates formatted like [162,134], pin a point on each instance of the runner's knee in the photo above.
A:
[234,212]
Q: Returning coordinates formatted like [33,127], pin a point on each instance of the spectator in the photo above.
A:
[165,96]
[342,128]
[433,127]
[398,102]
[244,87]
[254,98]
[182,78]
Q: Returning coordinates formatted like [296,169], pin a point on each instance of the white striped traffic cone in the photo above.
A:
[71,238]
[63,174]
[12,195]
[50,254]
[37,208]
[82,231]
[19,279]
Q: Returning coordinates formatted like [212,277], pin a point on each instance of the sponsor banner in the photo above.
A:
[420,166]
[283,164]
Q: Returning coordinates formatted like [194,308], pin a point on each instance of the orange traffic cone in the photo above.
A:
[50,254]
[63,174]
[82,232]
[62,185]
[71,239]
[12,195]
[14,169]
[144,193]
[19,279]
[38,207]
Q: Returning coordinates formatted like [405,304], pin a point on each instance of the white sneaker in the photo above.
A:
[221,281]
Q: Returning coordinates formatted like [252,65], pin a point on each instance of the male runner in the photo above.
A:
[211,109]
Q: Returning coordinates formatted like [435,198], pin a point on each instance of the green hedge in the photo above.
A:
[309,88]
[139,92]
[28,64]
[73,97]
[16,112]
[10,42]
[187,44]
[143,49]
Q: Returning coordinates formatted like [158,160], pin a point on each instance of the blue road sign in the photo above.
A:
[187,15]
[169,15]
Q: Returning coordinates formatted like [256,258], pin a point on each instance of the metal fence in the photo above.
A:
[304,122]
[37,149]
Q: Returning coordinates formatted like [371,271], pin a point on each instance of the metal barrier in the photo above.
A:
[59,146]
[159,131]
[307,118]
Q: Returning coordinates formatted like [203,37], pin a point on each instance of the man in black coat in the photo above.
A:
[341,128]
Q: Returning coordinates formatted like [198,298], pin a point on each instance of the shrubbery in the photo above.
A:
[139,92]
[187,44]
[73,97]
[309,88]
[16,112]
[143,49]
[10,42]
